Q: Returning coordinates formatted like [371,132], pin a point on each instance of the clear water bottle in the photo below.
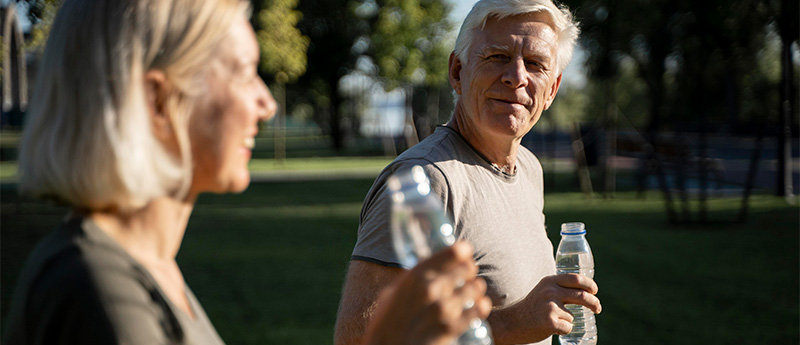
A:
[575,256]
[420,228]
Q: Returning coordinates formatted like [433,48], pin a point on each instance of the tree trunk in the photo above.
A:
[752,172]
[337,136]
[279,128]
[608,73]
[581,168]
[703,160]
[682,161]
[654,75]
[784,178]
[789,27]
[609,172]
[410,130]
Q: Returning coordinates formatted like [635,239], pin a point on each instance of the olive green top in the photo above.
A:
[80,287]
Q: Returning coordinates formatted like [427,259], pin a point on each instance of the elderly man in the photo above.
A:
[505,69]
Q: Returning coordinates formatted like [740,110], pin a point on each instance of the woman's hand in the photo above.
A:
[433,303]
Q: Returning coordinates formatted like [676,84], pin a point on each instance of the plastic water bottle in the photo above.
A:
[575,256]
[420,228]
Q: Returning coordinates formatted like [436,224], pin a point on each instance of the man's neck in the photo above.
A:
[500,151]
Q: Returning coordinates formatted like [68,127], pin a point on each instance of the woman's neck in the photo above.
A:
[152,234]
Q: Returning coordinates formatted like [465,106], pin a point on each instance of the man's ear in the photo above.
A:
[156,89]
[553,91]
[454,72]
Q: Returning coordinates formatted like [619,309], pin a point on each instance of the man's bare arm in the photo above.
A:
[363,284]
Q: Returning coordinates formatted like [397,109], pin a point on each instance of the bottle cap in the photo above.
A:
[575,228]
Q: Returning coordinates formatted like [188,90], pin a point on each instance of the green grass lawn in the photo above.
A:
[267,167]
[268,264]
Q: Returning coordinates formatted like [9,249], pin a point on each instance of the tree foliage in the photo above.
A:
[698,60]
[41,14]
[283,46]
[403,40]
[408,42]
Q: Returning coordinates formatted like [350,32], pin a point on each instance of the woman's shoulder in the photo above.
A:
[75,256]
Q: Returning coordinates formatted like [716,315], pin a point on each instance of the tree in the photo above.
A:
[788,27]
[283,55]
[333,29]
[283,46]
[410,48]
[697,60]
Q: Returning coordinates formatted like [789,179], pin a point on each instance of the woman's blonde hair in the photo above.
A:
[88,139]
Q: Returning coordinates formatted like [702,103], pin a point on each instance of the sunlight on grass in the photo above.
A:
[319,163]
[8,170]
[372,165]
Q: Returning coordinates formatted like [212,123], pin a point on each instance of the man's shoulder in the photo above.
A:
[528,161]
[443,144]
[443,153]
[527,155]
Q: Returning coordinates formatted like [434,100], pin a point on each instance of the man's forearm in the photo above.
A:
[351,325]
[500,321]
[515,325]
[363,283]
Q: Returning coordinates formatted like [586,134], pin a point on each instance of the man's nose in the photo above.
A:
[515,74]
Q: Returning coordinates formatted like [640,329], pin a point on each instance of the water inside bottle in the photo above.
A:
[584,330]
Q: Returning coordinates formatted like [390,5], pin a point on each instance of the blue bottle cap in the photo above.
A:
[575,228]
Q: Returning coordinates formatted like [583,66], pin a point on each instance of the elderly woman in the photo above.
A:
[141,105]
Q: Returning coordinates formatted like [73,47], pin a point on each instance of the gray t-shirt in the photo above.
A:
[81,287]
[499,214]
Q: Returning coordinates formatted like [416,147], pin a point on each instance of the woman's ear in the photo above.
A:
[156,88]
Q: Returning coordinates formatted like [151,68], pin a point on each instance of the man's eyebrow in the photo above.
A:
[495,47]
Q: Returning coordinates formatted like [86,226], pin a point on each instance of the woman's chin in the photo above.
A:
[233,184]
[240,182]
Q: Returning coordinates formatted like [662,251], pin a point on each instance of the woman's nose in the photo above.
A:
[266,103]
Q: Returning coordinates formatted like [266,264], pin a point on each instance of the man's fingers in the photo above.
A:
[583,298]
[577,281]
[456,310]
[446,272]
[458,254]
[563,326]
[483,307]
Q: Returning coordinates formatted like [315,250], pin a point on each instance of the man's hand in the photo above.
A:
[431,304]
[542,313]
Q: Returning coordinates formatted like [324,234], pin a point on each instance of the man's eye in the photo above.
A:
[534,64]
[498,57]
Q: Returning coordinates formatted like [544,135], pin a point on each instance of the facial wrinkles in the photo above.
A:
[524,41]
[534,50]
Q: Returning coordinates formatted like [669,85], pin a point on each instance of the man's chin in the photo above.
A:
[511,126]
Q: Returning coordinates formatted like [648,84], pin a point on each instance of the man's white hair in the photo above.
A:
[564,25]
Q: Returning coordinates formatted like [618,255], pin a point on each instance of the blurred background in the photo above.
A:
[674,138]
